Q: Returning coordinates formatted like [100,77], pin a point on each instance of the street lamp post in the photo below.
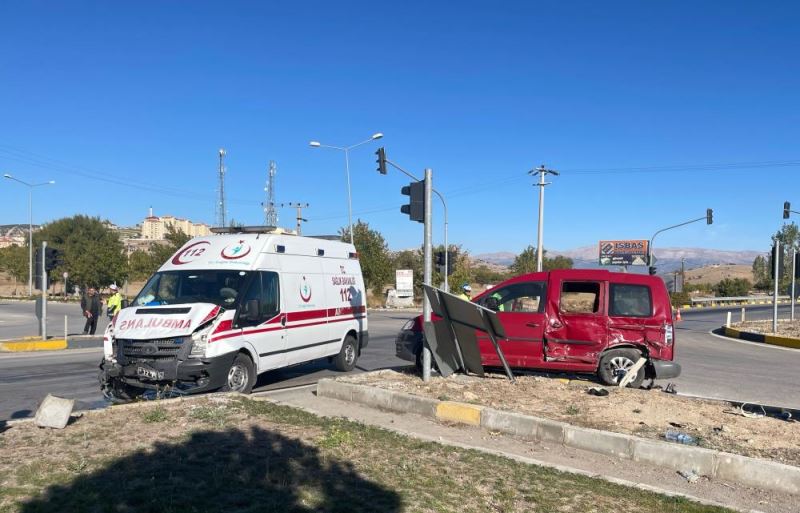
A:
[346,150]
[30,187]
[541,171]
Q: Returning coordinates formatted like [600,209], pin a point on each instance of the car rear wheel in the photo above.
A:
[615,363]
[345,361]
[241,375]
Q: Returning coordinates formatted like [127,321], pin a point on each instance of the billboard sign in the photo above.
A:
[404,282]
[623,252]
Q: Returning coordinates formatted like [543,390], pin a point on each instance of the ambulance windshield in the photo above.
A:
[222,288]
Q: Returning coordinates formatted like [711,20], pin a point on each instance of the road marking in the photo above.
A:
[758,344]
[39,354]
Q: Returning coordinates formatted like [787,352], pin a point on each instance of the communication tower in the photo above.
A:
[219,213]
[270,212]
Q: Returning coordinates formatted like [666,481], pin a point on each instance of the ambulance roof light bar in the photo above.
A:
[252,229]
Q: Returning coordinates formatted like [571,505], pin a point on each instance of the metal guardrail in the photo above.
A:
[737,299]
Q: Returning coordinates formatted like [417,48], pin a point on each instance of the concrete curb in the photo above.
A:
[17,346]
[27,344]
[774,340]
[708,462]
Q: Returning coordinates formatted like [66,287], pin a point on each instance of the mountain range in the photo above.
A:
[667,259]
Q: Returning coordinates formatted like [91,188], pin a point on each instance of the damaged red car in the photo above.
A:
[575,320]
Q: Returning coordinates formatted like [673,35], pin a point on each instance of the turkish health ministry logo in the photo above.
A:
[305,290]
[236,250]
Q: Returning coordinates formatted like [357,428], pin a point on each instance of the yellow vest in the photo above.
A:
[115,303]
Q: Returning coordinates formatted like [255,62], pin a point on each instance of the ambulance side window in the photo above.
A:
[263,294]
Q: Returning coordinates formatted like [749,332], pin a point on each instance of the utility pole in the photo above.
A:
[220,213]
[300,218]
[683,274]
[541,171]
[794,280]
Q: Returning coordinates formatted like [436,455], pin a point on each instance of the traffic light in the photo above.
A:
[451,262]
[381,153]
[709,216]
[37,266]
[52,258]
[416,206]
[772,263]
[787,207]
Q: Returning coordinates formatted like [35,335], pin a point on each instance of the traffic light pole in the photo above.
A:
[794,280]
[707,217]
[776,267]
[444,206]
[44,291]
[427,274]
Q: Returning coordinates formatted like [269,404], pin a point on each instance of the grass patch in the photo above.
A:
[572,410]
[255,456]
[157,414]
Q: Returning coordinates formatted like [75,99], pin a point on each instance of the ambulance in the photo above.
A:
[230,306]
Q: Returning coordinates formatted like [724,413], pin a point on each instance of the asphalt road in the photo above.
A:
[18,319]
[712,366]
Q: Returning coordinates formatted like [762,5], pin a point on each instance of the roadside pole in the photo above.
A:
[776,268]
[794,279]
[427,275]
[44,291]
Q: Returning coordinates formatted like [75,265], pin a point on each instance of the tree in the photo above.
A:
[93,253]
[789,237]
[373,252]
[142,264]
[14,261]
[761,274]
[733,287]
[525,262]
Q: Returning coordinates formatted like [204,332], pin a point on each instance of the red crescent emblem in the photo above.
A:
[189,253]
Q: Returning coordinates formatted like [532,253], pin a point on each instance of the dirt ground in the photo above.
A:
[785,328]
[226,454]
[644,413]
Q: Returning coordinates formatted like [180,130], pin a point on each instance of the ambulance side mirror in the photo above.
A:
[251,309]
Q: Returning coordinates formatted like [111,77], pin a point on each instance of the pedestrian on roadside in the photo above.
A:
[90,304]
[114,303]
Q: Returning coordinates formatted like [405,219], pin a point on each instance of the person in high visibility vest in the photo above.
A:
[466,292]
[114,303]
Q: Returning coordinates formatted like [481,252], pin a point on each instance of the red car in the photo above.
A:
[575,320]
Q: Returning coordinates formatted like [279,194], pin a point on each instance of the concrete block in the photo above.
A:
[372,396]
[335,390]
[54,412]
[407,403]
[508,422]
[603,442]
[459,412]
[550,430]
[674,456]
[758,473]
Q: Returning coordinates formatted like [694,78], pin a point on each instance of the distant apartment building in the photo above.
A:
[155,228]
[14,234]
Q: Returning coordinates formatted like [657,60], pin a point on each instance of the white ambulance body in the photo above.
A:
[228,307]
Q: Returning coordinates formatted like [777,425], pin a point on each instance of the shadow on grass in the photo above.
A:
[232,470]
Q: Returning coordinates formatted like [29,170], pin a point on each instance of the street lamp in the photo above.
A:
[346,150]
[30,187]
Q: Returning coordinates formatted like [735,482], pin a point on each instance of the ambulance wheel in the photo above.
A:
[241,376]
[615,363]
[345,361]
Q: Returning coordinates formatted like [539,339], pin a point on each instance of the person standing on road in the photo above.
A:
[466,292]
[90,304]
[114,303]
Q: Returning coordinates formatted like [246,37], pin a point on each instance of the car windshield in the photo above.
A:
[222,288]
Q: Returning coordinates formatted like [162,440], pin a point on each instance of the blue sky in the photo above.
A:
[651,111]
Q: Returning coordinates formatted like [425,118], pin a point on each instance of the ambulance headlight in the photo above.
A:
[200,342]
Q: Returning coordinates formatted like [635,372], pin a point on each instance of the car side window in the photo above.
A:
[525,297]
[264,296]
[630,300]
[582,297]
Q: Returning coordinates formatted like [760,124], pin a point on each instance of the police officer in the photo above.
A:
[114,304]
[466,292]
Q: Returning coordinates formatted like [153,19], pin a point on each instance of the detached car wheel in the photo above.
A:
[241,375]
[615,363]
[345,361]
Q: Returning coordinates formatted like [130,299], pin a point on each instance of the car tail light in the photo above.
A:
[669,334]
